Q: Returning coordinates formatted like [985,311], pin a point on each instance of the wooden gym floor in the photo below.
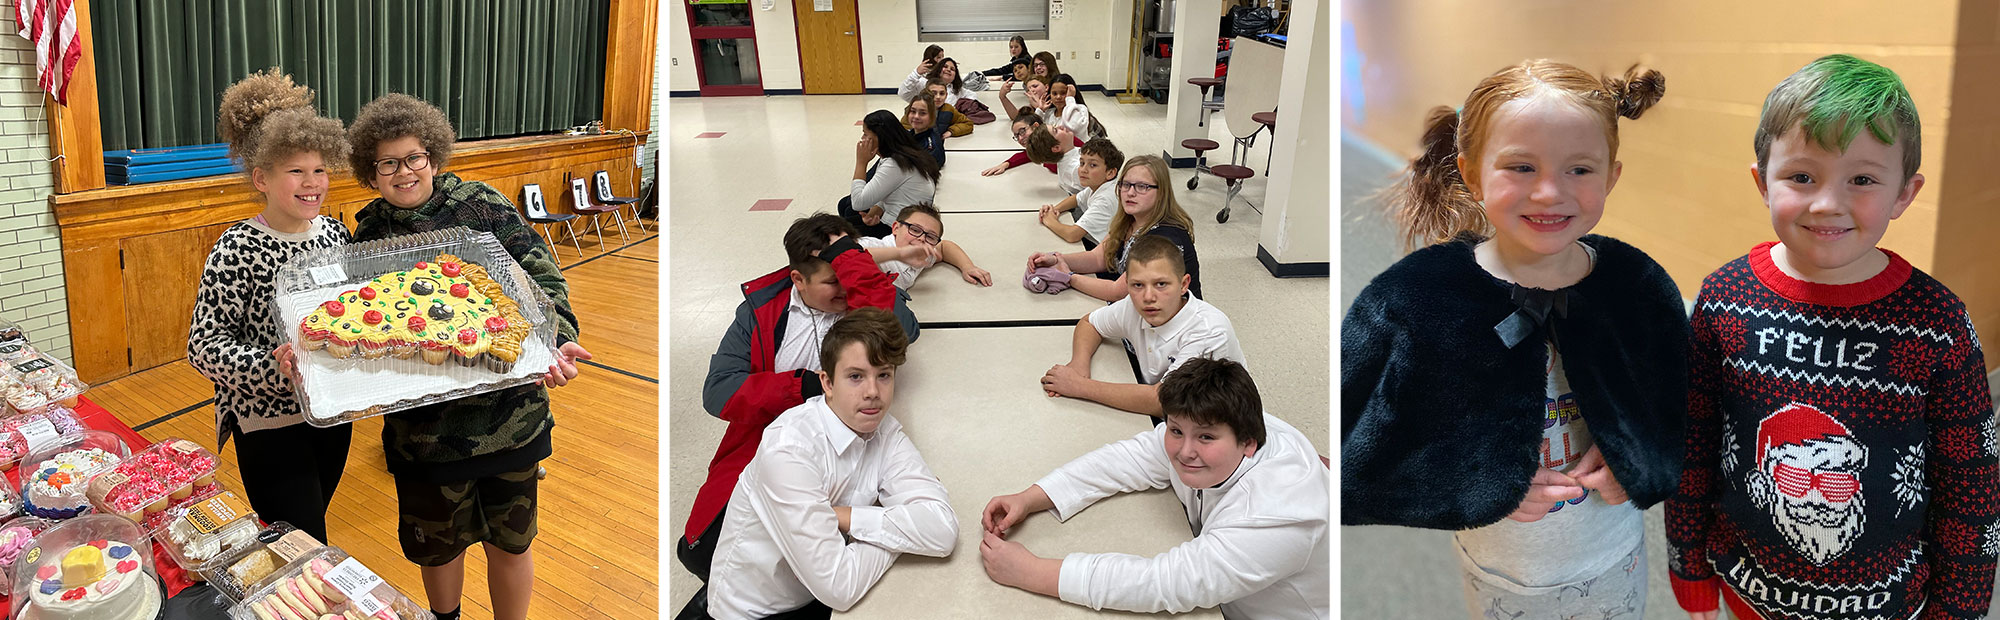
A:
[596,554]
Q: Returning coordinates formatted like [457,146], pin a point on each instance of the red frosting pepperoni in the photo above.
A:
[416,324]
[334,308]
[368,293]
[371,317]
[467,336]
[423,265]
[460,290]
[496,324]
[450,269]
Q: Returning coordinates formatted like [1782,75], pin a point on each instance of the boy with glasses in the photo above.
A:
[915,243]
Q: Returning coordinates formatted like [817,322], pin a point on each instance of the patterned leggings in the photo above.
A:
[1618,593]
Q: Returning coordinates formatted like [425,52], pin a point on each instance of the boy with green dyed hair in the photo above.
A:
[1841,452]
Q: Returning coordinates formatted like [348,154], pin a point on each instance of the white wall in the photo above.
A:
[32,292]
[679,65]
[1096,32]
[1298,201]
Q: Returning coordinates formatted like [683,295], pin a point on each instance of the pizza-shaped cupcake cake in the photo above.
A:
[448,309]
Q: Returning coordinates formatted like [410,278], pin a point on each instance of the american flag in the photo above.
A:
[51,24]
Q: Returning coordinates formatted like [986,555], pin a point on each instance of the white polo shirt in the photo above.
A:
[1066,170]
[904,273]
[1100,204]
[1198,330]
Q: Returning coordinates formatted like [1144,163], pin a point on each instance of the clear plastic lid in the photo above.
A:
[30,381]
[151,481]
[21,435]
[327,581]
[236,572]
[398,323]
[202,531]
[16,535]
[94,566]
[9,332]
[55,480]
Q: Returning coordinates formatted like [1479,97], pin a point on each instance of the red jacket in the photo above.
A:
[743,389]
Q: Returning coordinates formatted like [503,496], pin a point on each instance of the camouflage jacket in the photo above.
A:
[486,434]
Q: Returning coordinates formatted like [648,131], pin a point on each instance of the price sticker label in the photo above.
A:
[40,435]
[359,584]
[326,275]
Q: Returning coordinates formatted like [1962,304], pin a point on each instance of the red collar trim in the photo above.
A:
[1837,295]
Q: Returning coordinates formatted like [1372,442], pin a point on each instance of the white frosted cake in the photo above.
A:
[102,580]
[55,488]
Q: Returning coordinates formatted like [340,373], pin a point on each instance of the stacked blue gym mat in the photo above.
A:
[135,166]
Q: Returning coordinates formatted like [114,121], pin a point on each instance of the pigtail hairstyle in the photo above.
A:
[895,142]
[1433,201]
[265,118]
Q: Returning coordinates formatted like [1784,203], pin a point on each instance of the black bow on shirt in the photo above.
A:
[1534,305]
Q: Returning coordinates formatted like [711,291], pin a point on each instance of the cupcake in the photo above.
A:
[436,352]
[469,347]
[340,348]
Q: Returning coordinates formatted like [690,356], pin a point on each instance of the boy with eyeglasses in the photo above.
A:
[915,243]
[1024,122]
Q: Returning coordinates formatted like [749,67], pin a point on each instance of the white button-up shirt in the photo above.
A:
[1066,170]
[1198,330]
[781,545]
[1260,548]
[904,273]
[804,329]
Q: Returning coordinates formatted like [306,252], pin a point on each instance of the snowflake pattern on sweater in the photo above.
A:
[1856,475]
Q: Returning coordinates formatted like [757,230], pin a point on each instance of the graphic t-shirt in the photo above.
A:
[1579,538]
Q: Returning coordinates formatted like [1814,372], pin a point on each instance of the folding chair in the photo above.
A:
[583,205]
[538,214]
[602,180]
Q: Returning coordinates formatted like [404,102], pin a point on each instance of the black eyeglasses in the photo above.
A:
[1126,186]
[414,161]
[923,235]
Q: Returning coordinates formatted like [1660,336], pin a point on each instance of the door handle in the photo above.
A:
[848,33]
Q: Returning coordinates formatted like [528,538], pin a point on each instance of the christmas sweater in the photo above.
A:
[1840,450]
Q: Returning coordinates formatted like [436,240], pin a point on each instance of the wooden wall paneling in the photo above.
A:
[74,138]
[96,224]
[160,287]
[628,63]
[96,309]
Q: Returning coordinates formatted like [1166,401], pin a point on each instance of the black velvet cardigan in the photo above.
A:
[1441,422]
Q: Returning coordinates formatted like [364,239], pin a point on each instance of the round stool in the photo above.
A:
[1207,105]
[1233,175]
[1199,146]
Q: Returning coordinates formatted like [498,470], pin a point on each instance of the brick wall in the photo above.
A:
[31,276]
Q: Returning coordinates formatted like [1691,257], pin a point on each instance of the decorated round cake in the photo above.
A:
[449,310]
[55,488]
[100,580]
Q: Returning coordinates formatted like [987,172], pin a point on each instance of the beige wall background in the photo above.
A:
[1686,196]
[1096,32]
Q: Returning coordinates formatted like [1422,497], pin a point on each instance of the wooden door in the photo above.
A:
[162,273]
[829,47]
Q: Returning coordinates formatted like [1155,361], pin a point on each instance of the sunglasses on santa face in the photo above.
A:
[1796,482]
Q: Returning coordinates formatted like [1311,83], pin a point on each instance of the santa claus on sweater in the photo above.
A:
[1808,479]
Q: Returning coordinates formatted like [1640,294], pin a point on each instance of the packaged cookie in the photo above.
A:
[203,531]
[235,573]
[327,582]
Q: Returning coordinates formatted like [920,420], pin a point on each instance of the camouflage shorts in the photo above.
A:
[438,522]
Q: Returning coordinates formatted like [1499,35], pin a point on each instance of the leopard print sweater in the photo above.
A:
[235,324]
